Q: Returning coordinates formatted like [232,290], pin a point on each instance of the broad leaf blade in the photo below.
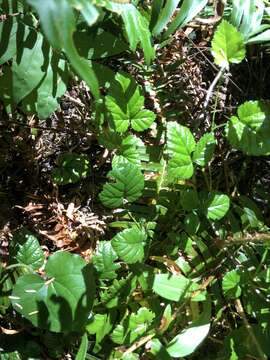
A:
[216,205]
[104,261]
[188,340]
[171,287]
[129,245]
[227,45]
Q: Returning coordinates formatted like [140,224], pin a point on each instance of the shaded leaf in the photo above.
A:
[204,149]
[103,261]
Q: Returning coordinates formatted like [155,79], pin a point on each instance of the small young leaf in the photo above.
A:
[204,150]
[128,186]
[71,168]
[171,287]
[227,45]
[216,205]
[25,249]
[129,245]
[103,260]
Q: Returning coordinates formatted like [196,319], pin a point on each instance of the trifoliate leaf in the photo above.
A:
[249,131]
[103,261]
[227,45]
[62,301]
[129,245]
[125,105]
[128,185]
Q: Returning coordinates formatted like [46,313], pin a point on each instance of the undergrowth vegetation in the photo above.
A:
[135,178]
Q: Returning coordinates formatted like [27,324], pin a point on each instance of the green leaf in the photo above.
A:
[189,199]
[119,335]
[188,10]
[98,44]
[128,185]
[180,140]
[227,45]
[43,99]
[81,354]
[58,23]
[231,284]
[216,205]
[71,168]
[129,245]
[204,149]
[180,144]
[171,287]
[62,302]
[157,349]
[164,16]
[25,249]
[28,73]
[125,105]
[100,325]
[103,260]
[249,131]
[140,322]
[189,339]
[136,26]
[192,223]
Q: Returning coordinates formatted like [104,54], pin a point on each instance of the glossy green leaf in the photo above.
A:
[125,105]
[188,10]
[58,23]
[25,249]
[128,185]
[204,149]
[180,167]
[227,45]
[189,339]
[180,140]
[81,354]
[129,245]
[249,131]
[171,287]
[231,284]
[180,144]
[216,205]
[62,301]
[71,168]
[104,261]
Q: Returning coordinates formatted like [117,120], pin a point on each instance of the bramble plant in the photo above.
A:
[182,270]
